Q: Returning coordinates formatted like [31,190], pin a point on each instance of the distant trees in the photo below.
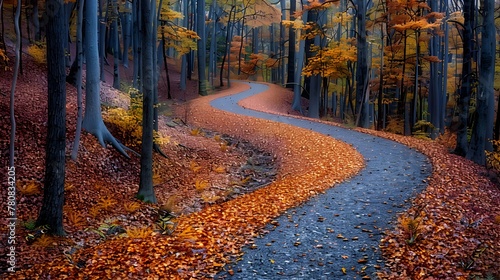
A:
[404,64]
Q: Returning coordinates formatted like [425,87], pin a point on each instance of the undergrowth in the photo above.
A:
[127,123]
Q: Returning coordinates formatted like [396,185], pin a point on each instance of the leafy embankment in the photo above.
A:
[203,241]
[201,169]
[452,230]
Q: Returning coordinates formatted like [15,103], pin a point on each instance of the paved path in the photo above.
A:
[334,230]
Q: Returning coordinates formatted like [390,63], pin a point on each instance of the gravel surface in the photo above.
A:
[334,235]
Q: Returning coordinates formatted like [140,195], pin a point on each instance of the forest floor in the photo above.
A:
[225,182]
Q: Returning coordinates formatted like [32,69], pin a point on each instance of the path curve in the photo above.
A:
[334,235]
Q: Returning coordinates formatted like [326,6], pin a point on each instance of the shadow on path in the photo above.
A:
[334,235]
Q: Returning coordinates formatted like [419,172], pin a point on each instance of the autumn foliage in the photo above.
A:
[454,222]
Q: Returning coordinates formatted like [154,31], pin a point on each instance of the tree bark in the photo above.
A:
[202,47]
[146,191]
[291,49]
[78,83]
[362,66]
[51,213]
[482,132]
[465,89]
[12,140]
[92,121]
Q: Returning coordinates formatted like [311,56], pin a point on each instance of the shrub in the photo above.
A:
[39,52]
[127,123]
[28,188]
[493,158]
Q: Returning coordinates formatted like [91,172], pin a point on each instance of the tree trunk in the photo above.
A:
[435,91]
[51,213]
[228,47]
[291,49]
[184,62]
[116,47]
[465,89]
[202,47]
[102,27]
[12,141]
[35,21]
[362,66]
[146,191]
[136,44]
[93,122]
[297,80]
[78,83]
[482,132]
[212,57]
[126,20]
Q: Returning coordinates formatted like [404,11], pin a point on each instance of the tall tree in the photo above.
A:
[78,82]
[51,213]
[92,121]
[126,23]
[146,191]
[184,59]
[482,132]
[202,47]
[362,66]
[467,79]
[436,106]
[12,140]
[291,48]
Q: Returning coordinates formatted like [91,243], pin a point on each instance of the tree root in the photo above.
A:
[101,132]
[157,149]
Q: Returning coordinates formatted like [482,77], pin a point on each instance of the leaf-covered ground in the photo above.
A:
[102,185]
[458,215]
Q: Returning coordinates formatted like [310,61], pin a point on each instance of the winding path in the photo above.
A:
[334,235]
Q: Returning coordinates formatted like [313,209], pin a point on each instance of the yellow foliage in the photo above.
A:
[394,125]
[223,146]
[421,24]
[39,52]
[68,187]
[139,232]
[189,234]
[128,123]
[94,211]
[169,205]
[131,206]
[195,167]
[75,219]
[331,61]
[497,219]
[106,203]
[196,132]
[181,39]
[200,185]
[220,169]
[208,197]
[28,188]
[493,158]
[411,228]
[3,60]
[44,241]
